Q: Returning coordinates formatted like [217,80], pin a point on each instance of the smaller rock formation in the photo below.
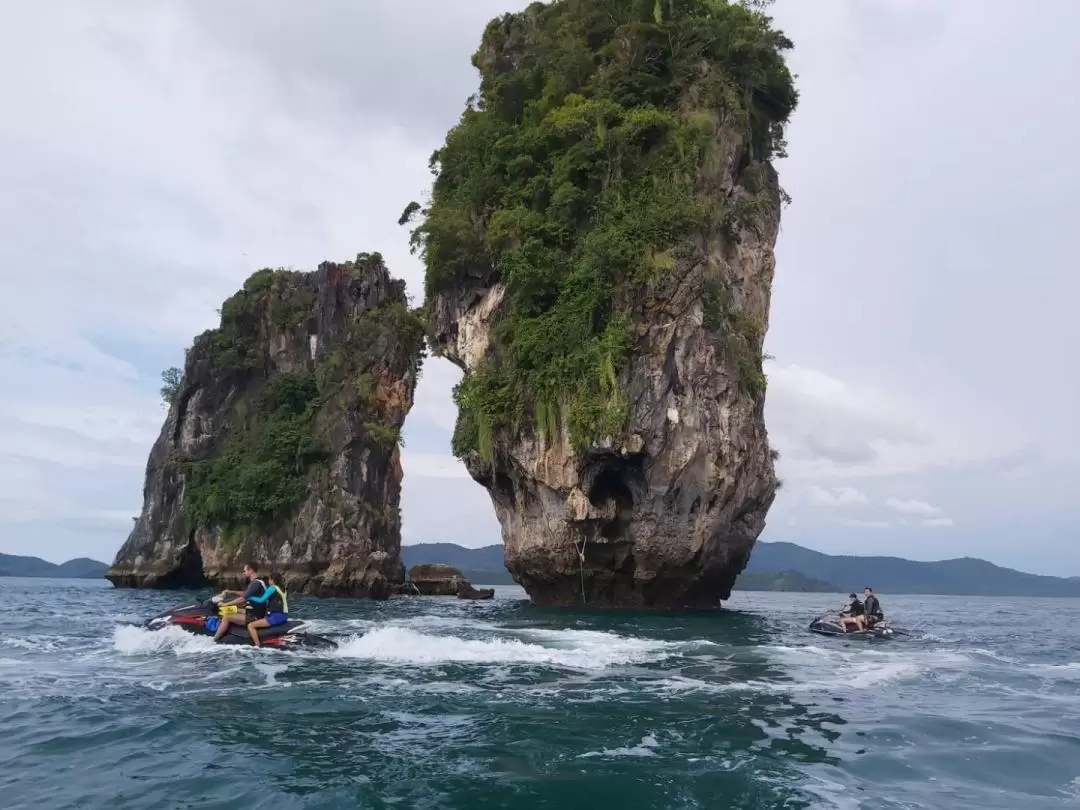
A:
[467,591]
[435,579]
[281,442]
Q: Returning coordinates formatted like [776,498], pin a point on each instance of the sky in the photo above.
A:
[153,155]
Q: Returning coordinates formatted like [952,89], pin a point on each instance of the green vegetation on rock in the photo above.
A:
[261,475]
[573,178]
[272,444]
[170,384]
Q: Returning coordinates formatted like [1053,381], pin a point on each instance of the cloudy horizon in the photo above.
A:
[154,156]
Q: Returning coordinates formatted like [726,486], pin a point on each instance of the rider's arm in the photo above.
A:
[265,595]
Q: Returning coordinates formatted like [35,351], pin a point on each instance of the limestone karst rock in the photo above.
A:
[281,442]
[599,250]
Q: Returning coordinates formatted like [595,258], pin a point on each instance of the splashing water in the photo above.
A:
[439,703]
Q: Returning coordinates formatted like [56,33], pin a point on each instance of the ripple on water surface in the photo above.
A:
[440,703]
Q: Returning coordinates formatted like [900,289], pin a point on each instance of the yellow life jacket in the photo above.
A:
[278,595]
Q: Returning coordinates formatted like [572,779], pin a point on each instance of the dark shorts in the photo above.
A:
[277,618]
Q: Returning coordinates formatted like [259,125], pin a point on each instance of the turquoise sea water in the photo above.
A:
[438,703]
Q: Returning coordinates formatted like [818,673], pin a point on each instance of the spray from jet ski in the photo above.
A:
[203,619]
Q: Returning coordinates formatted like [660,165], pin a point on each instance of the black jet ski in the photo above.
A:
[202,619]
[829,625]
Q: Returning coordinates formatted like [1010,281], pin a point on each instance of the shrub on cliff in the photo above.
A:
[170,384]
[261,475]
[572,177]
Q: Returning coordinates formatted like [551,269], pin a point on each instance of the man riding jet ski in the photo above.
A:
[862,619]
[267,624]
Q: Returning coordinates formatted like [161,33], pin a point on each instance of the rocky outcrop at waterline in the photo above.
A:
[281,445]
[435,579]
[467,591]
[599,251]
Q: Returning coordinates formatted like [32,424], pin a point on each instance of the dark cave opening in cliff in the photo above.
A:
[188,572]
[616,481]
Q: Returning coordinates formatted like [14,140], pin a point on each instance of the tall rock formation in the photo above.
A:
[599,250]
[281,442]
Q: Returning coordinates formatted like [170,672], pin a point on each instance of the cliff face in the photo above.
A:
[600,259]
[281,442]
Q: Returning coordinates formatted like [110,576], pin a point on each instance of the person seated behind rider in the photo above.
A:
[252,610]
[851,613]
[872,609]
[277,607]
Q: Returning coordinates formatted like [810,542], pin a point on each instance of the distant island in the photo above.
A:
[80,568]
[789,567]
[791,581]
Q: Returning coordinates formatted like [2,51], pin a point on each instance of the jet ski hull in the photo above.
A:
[830,626]
[199,619]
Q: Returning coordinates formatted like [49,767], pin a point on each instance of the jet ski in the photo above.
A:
[203,618]
[828,624]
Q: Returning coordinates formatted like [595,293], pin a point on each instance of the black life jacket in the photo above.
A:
[873,607]
[257,609]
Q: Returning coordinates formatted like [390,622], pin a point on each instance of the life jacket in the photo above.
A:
[873,607]
[257,609]
[278,601]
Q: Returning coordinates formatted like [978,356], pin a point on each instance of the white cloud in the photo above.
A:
[826,427]
[866,524]
[912,507]
[432,465]
[434,406]
[943,522]
[838,496]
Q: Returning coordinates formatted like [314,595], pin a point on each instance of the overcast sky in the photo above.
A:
[152,155]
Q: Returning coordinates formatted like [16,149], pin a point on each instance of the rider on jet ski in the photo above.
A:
[255,588]
[852,612]
[276,604]
[872,613]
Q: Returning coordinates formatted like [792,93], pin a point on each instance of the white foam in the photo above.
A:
[137,641]
[839,675]
[576,649]
[996,656]
[271,671]
[1072,789]
[645,748]
[1066,671]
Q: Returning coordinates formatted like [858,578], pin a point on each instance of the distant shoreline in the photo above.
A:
[787,567]
[12,565]
[773,567]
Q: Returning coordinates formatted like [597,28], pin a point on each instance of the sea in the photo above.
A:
[441,703]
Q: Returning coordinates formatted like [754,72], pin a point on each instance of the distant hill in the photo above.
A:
[791,581]
[964,576]
[791,567]
[81,568]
